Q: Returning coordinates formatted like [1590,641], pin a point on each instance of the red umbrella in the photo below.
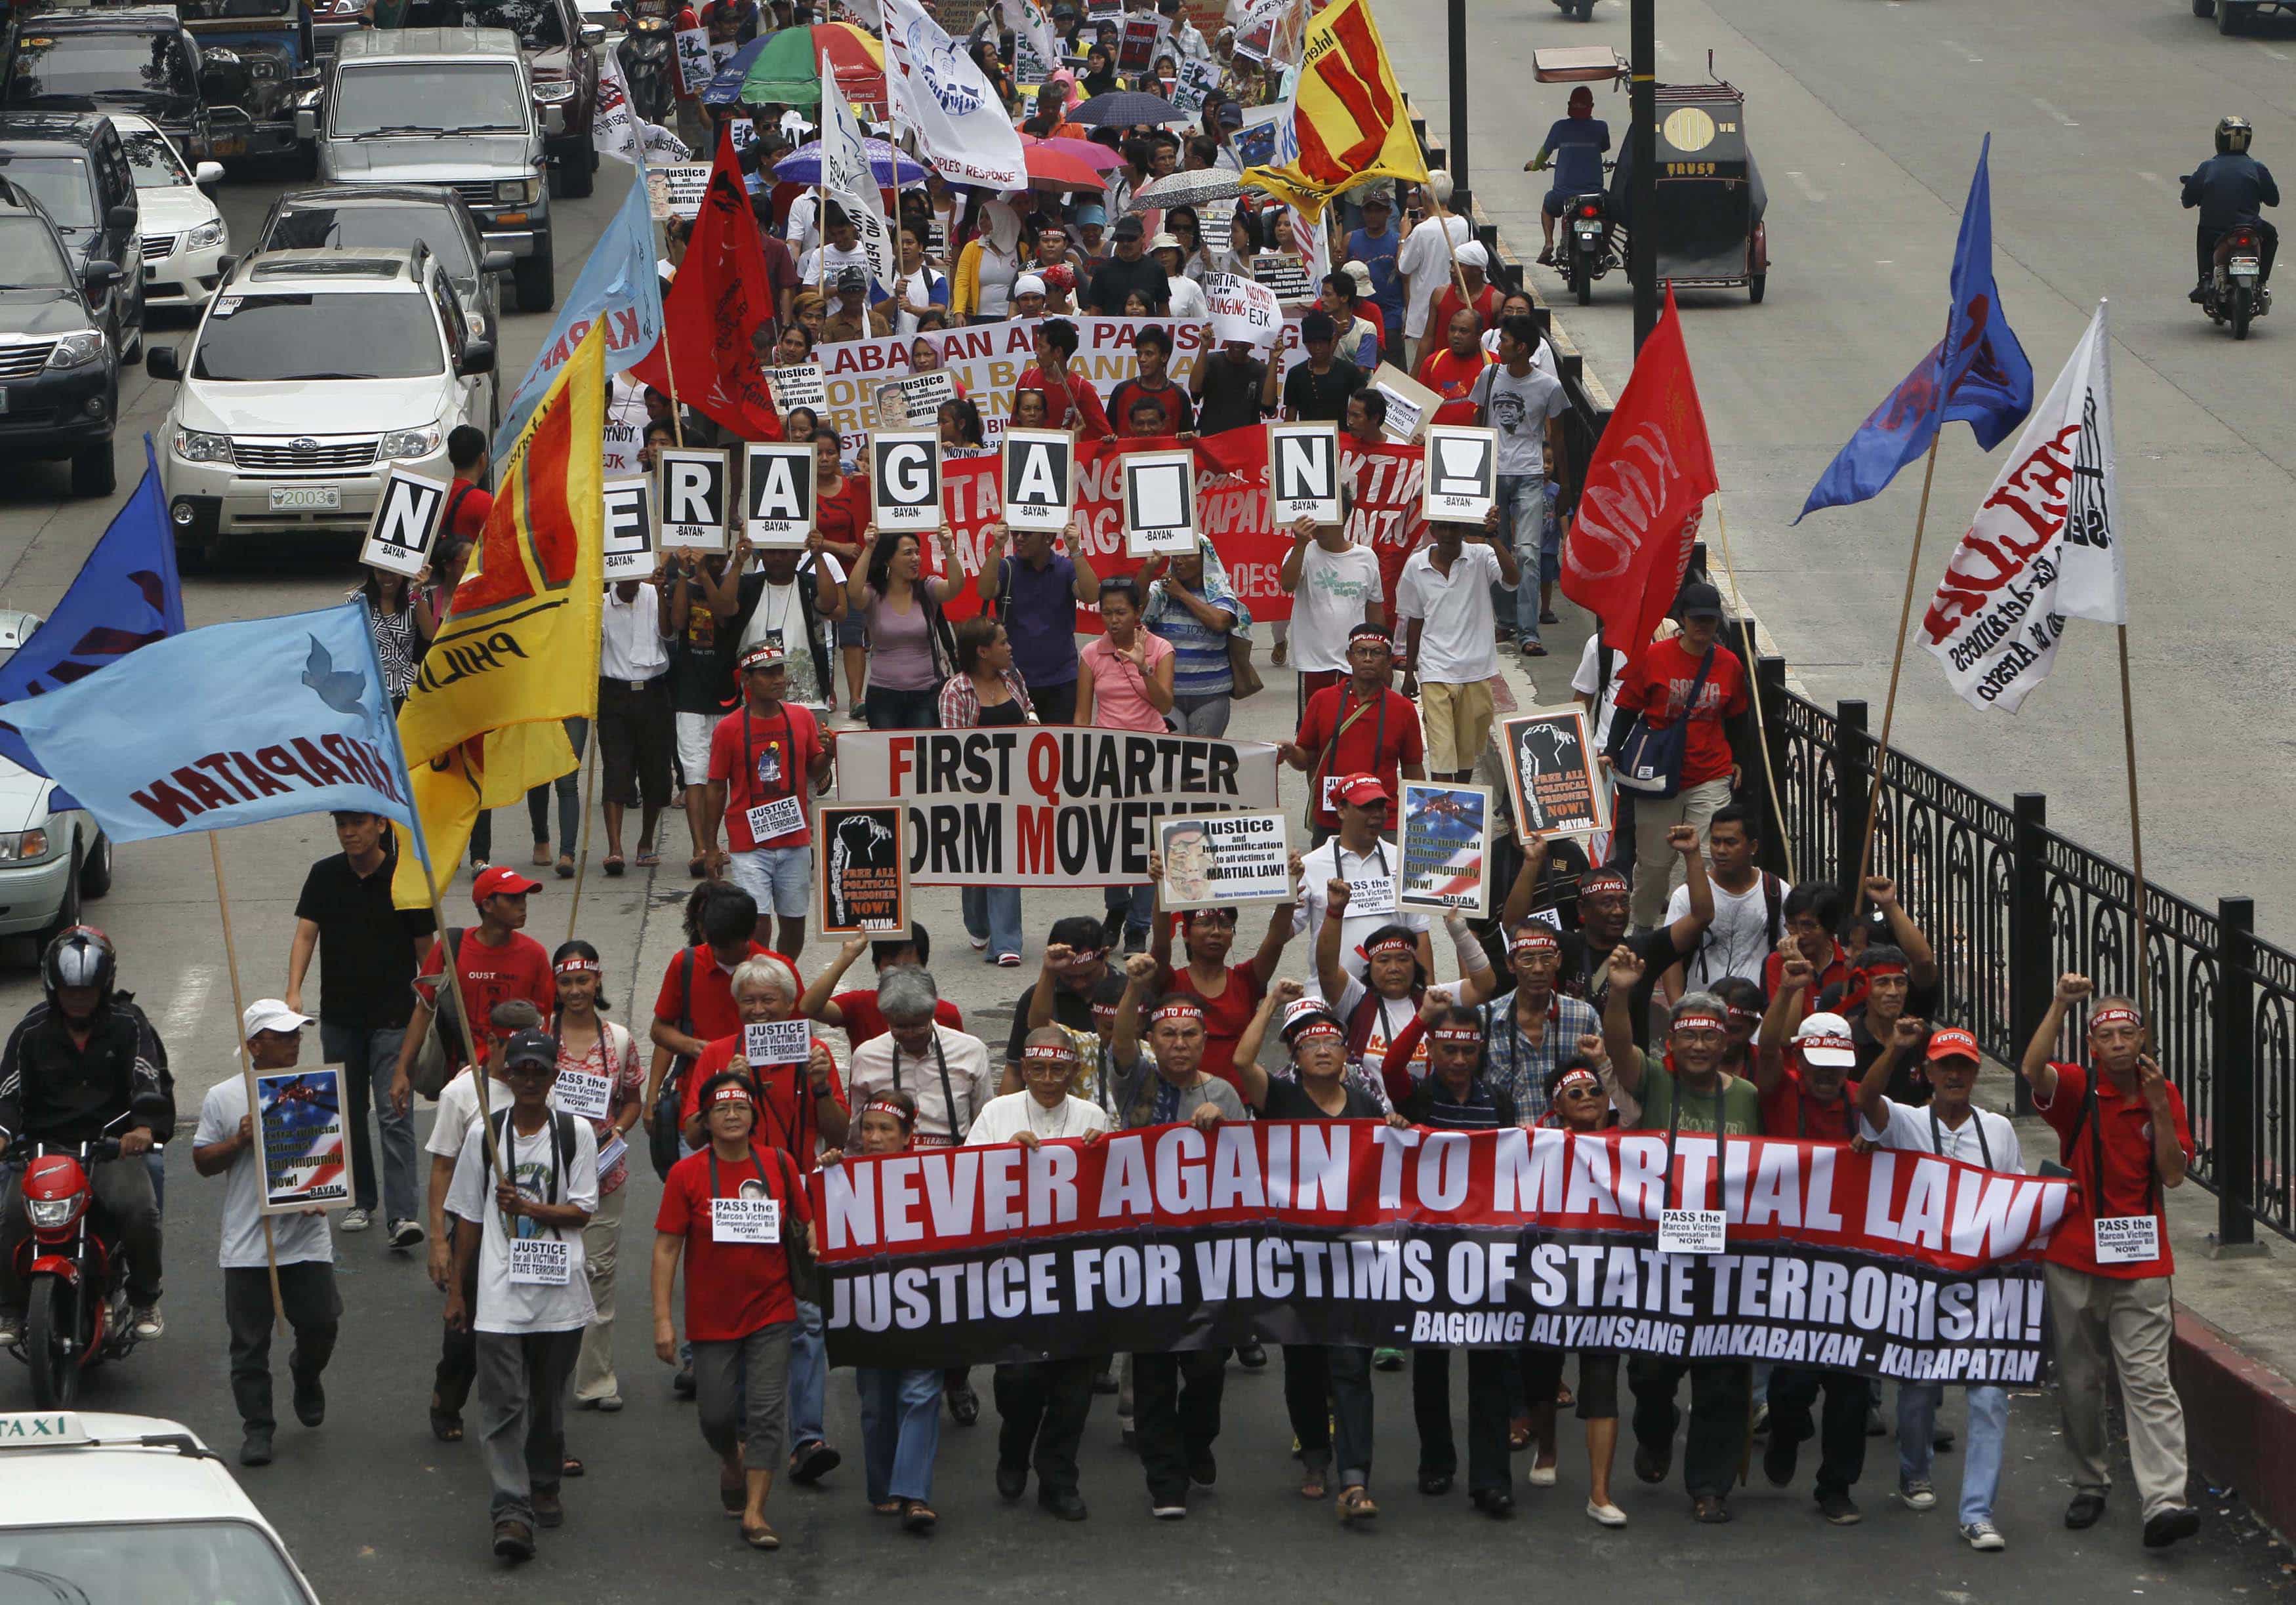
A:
[1051,171]
[1099,158]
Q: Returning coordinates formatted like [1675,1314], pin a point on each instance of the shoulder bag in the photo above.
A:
[1649,762]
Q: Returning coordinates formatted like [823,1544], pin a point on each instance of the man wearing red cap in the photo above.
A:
[494,964]
[2125,1139]
[766,760]
[1360,727]
[1360,856]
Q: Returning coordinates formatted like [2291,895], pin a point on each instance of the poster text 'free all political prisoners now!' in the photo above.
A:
[1892,1263]
[1046,805]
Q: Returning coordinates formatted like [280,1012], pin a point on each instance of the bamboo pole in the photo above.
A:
[1761,727]
[2135,837]
[247,1069]
[1897,665]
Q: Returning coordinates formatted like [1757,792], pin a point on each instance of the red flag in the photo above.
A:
[720,299]
[1629,543]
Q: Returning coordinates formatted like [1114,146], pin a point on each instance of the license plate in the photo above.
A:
[312,498]
[2243,263]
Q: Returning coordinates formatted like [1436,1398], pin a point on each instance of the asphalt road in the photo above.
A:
[376,1510]
[1865,116]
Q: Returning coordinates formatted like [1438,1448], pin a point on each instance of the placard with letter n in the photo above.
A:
[1159,503]
[691,499]
[1039,479]
[407,518]
[904,479]
[1462,484]
[862,867]
[1303,473]
[629,528]
[777,491]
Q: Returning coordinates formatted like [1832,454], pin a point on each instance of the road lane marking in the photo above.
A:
[1810,191]
[190,1001]
[2053,112]
[1961,50]
[2277,56]
[2152,177]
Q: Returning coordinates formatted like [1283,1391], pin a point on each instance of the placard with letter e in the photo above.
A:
[862,867]
[1221,860]
[1159,503]
[300,1139]
[629,528]
[1445,846]
[777,488]
[1039,479]
[904,479]
[407,518]
[1554,775]
[691,499]
[1303,473]
[1462,473]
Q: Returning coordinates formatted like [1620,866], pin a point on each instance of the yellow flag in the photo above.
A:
[1348,116]
[517,652]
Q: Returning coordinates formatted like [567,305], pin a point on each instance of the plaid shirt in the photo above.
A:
[959,704]
[1518,1066]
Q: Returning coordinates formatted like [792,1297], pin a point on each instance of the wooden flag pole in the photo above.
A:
[1761,728]
[1897,663]
[2135,837]
[247,1069]
[589,797]
[452,974]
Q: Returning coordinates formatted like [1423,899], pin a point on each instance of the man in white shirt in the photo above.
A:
[1748,910]
[1042,1110]
[637,729]
[1425,261]
[227,1145]
[1360,856]
[947,1071]
[1444,596]
[1335,585]
[840,249]
[1526,406]
[521,1226]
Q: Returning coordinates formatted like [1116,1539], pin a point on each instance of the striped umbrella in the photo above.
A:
[788,70]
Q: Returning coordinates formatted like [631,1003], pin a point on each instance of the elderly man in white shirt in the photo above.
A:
[637,728]
[1042,1110]
[946,1071]
[1370,864]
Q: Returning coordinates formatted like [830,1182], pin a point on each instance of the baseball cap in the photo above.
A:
[1029,284]
[1824,1039]
[1230,115]
[499,881]
[1128,227]
[1063,11]
[1361,274]
[1090,214]
[851,278]
[269,1014]
[1699,600]
[1361,790]
[530,1047]
[1951,1042]
[1165,241]
[764,655]
[1378,194]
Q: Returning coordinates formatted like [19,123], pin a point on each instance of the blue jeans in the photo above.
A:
[370,1058]
[1522,521]
[1138,903]
[993,911]
[808,1378]
[900,1431]
[569,788]
[1981,1466]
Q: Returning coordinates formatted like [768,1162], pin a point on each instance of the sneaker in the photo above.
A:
[1204,1470]
[1609,1515]
[1917,1494]
[148,1321]
[1168,1512]
[310,1398]
[1387,1359]
[406,1234]
[1840,1509]
[255,1450]
[1985,1536]
[978,942]
[11,1328]
[1008,961]
[356,1220]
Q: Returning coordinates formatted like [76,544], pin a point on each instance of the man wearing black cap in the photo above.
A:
[1316,391]
[1129,269]
[1660,687]
[852,317]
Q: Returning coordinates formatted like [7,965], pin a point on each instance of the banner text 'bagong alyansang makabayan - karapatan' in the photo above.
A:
[1893,1264]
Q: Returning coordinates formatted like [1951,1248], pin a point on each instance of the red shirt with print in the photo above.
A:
[731,1289]
[703,994]
[520,968]
[1835,973]
[1375,738]
[762,759]
[1069,404]
[1452,377]
[2119,1131]
[1658,683]
[786,1118]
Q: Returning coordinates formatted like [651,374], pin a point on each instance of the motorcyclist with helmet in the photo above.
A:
[80,1063]
[2230,188]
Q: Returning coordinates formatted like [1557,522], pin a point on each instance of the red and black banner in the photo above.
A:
[1893,1264]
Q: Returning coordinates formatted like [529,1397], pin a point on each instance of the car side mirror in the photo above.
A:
[593,33]
[496,261]
[554,120]
[307,124]
[207,173]
[96,277]
[121,218]
[477,358]
[160,362]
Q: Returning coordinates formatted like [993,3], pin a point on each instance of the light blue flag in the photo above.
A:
[621,283]
[228,725]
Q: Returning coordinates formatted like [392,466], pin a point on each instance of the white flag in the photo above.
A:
[1036,51]
[960,124]
[846,174]
[2043,547]
[618,131]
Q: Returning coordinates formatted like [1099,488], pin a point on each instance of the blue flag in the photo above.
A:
[228,725]
[620,283]
[1978,374]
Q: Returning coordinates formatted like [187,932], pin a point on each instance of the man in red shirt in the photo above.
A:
[1658,685]
[765,759]
[1483,297]
[467,503]
[1451,370]
[495,962]
[2126,1140]
[695,1005]
[1069,399]
[1152,349]
[1360,727]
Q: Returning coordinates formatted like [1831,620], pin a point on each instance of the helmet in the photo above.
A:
[81,957]
[2232,133]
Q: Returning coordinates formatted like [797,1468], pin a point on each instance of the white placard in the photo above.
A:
[777,1041]
[904,479]
[1462,473]
[695,65]
[798,385]
[1159,503]
[1284,274]
[1690,1232]
[629,529]
[777,490]
[580,1092]
[1219,859]
[690,498]
[541,1262]
[1242,309]
[745,1220]
[1039,479]
[407,515]
[1303,473]
[1371,895]
[676,191]
[778,817]
[2127,1240]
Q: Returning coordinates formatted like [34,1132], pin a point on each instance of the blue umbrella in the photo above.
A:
[892,168]
[725,87]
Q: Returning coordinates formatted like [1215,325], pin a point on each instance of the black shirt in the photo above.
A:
[1071,1008]
[1431,1103]
[700,659]
[53,1088]
[366,946]
[1586,974]
[1909,1081]
[1231,397]
[1118,278]
[1314,398]
[1287,1100]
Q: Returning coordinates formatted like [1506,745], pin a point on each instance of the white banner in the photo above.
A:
[2044,545]
[939,93]
[618,132]
[846,175]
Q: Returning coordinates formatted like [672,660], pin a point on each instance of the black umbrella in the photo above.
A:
[1125,108]
[1196,188]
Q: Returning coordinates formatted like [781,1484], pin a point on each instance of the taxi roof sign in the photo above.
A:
[42,1430]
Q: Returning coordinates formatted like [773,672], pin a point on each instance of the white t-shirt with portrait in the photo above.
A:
[300,1238]
[533,1163]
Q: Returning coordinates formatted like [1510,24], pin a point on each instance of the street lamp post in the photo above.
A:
[1643,110]
[1457,155]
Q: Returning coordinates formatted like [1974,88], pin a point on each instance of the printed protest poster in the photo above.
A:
[862,865]
[1286,274]
[798,385]
[1445,847]
[904,479]
[777,1041]
[1159,503]
[777,487]
[1241,310]
[676,191]
[1221,860]
[1462,483]
[695,66]
[1552,773]
[299,1129]
[629,529]
[1409,403]
[1137,51]
[1303,473]
[408,515]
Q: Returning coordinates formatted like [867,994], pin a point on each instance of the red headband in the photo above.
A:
[1392,945]
[732,1090]
[577,965]
[1889,967]
[1455,1034]
[1577,1078]
[879,1106]
[1046,1050]
[1184,1008]
[1317,1029]
[2117,1015]
[1536,938]
[1712,1022]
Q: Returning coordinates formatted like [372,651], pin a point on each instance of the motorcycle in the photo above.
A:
[1585,248]
[75,1271]
[2235,294]
[648,58]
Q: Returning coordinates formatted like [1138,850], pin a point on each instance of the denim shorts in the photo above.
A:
[852,631]
[778,878]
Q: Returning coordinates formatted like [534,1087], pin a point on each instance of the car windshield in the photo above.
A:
[60,184]
[270,337]
[536,22]
[28,257]
[151,1563]
[393,227]
[213,11]
[430,97]
[101,63]
[153,160]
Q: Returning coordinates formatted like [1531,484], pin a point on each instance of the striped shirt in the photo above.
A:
[1200,665]
[1520,1067]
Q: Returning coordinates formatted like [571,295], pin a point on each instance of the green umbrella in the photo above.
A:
[788,69]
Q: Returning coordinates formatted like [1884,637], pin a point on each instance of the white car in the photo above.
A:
[50,859]
[312,374]
[184,237]
[131,1508]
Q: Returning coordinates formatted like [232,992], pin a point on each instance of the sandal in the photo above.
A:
[566,867]
[571,1467]
[917,1516]
[1518,1434]
[613,865]
[1564,1397]
[697,868]
[891,1507]
[445,1426]
[1710,1509]
[1356,1505]
[760,1537]
[1311,1483]
[647,858]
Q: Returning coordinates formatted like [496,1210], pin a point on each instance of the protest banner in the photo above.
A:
[1223,860]
[1199,76]
[1284,274]
[904,473]
[1038,482]
[1445,846]
[1384,502]
[778,480]
[861,864]
[408,515]
[691,495]
[629,547]
[911,402]
[1242,309]
[585,1094]
[1136,49]
[1462,481]
[1047,806]
[1888,1264]
[1552,773]
[676,191]
[299,1129]
[1159,503]
[798,385]
[1303,465]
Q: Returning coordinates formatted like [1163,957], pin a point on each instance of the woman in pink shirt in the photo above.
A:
[1124,682]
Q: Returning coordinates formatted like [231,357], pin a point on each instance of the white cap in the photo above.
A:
[1824,1040]
[1473,255]
[1029,284]
[269,1014]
